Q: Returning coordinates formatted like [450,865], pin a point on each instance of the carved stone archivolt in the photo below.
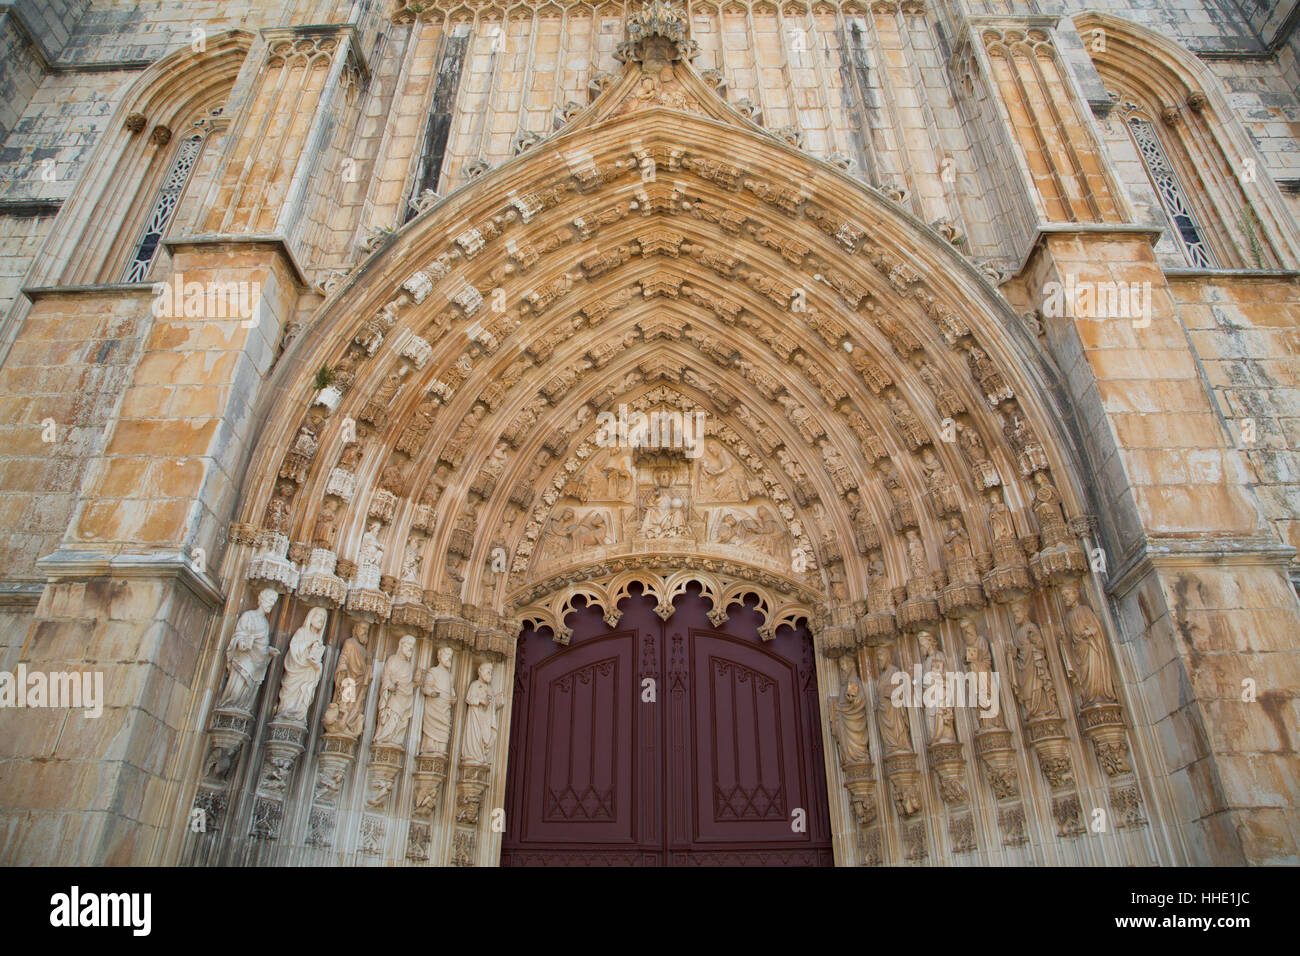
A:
[860,443]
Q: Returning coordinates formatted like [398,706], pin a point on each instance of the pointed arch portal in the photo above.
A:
[882,471]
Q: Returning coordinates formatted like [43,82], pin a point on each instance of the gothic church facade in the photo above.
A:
[560,433]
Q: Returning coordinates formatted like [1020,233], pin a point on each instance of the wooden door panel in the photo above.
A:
[705,774]
[578,794]
[745,764]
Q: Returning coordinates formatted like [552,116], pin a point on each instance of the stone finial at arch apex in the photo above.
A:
[658,31]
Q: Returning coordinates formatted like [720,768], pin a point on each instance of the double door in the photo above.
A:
[666,743]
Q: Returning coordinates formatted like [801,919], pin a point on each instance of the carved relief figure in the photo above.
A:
[722,478]
[1086,662]
[1030,677]
[322,535]
[956,542]
[891,718]
[278,508]
[346,712]
[916,559]
[247,654]
[481,707]
[411,559]
[396,695]
[439,695]
[1001,525]
[979,658]
[302,667]
[942,720]
[763,532]
[849,727]
[372,553]
[665,517]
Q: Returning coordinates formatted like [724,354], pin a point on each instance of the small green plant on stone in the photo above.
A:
[324,377]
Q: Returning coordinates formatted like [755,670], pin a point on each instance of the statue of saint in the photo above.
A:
[980,659]
[1002,525]
[481,706]
[372,553]
[439,695]
[396,695]
[849,727]
[346,712]
[1086,662]
[891,718]
[247,654]
[665,517]
[916,559]
[941,718]
[411,559]
[302,667]
[322,535]
[1030,677]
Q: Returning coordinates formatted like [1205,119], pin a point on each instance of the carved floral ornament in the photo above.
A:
[864,414]
[778,606]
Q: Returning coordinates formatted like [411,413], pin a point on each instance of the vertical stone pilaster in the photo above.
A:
[1197,578]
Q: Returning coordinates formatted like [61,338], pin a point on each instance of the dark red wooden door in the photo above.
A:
[722,767]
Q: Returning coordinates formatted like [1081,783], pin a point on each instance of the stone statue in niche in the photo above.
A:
[956,542]
[849,727]
[942,720]
[392,481]
[972,446]
[411,559]
[1031,679]
[388,390]
[1049,511]
[433,490]
[306,441]
[891,715]
[865,535]
[322,535]
[916,559]
[791,467]
[481,707]
[979,658]
[278,509]
[346,712]
[302,668]
[396,695]
[943,493]
[247,654]
[1001,525]
[371,553]
[1086,662]
[439,696]
[351,456]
